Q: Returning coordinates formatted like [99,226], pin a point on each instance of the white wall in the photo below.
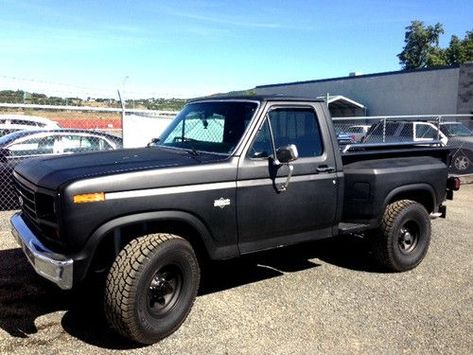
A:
[138,131]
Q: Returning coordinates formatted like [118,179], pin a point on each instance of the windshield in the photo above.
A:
[455,130]
[214,127]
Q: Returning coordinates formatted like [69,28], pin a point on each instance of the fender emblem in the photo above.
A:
[222,202]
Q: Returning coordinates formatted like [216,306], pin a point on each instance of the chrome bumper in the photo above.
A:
[54,267]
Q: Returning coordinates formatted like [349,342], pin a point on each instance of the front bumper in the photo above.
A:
[52,266]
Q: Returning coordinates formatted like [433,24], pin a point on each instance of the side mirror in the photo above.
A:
[287,154]
[153,142]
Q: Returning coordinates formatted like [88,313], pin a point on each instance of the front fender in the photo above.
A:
[214,251]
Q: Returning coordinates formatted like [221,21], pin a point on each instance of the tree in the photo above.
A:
[460,51]
[421,48]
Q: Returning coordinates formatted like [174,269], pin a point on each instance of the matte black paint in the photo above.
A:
[257,216]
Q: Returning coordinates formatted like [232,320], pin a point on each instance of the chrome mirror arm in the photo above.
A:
[283,187]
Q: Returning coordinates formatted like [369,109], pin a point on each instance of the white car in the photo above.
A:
[358,132]
[11,123]
[404,131]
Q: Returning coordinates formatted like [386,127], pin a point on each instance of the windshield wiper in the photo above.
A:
[190,142]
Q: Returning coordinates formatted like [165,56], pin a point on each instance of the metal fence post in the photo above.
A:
[122,104]
[384,130]
[439,118]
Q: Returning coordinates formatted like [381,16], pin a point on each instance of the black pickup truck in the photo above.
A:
[229,176]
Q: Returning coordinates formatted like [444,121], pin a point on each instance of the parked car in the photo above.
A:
[269,175]
[21,145]
[345,138]
[460,139]
[454,135]
[13,123]
[404,132]
[358,132]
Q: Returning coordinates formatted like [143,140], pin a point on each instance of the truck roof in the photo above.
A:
[259,98]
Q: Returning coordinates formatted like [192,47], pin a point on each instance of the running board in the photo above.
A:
[346,228]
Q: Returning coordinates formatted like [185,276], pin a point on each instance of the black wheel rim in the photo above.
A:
[164,290]
[408,237]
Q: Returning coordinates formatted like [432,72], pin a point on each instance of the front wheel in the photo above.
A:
[151,287]
[402,240]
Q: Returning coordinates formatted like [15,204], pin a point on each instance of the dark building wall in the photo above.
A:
[433,91]
[465,89]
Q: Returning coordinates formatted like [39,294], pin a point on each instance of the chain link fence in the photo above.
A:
[452,131]
[28,131]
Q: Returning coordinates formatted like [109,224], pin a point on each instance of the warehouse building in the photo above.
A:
[444,90]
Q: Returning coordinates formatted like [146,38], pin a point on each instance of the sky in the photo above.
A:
[153,48]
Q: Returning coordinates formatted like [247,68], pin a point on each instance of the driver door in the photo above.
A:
[269,217]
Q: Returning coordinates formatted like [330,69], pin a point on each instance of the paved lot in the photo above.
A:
[325,297]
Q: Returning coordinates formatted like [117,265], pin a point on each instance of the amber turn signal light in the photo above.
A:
[92,197]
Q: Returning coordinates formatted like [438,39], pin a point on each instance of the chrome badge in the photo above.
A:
[222,202]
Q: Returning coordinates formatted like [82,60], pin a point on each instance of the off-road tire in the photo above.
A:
[131,306]
[402,240]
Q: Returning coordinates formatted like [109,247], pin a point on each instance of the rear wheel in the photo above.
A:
[461,163]
[403,238]
[151,287]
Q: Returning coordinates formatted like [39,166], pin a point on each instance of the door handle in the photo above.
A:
[325,169]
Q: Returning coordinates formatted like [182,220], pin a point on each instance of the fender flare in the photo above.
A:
[413,187]
[213,250]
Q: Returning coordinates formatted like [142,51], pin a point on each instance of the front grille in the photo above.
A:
[38,208]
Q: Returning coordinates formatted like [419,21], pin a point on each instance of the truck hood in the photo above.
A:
[52,172]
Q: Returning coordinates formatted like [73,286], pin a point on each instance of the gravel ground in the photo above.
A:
[324,297]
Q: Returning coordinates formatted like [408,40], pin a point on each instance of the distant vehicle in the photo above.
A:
[13,123]
[345,138]
[452,134]
[455,129]
[403,132]
[25,144]
[461,139]
[358,132]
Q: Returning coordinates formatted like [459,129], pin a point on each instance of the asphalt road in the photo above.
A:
[324,297]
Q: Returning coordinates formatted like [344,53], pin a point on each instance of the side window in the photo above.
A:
[425,131]
[76,144]
[297,126]
[43,145]
[407,133]
[262,146]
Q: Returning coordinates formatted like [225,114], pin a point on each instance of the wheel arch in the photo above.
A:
[421,193]
[107,240]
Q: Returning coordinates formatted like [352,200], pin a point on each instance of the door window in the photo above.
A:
[77,144]
[33,146]
[424,131]
[298,126]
